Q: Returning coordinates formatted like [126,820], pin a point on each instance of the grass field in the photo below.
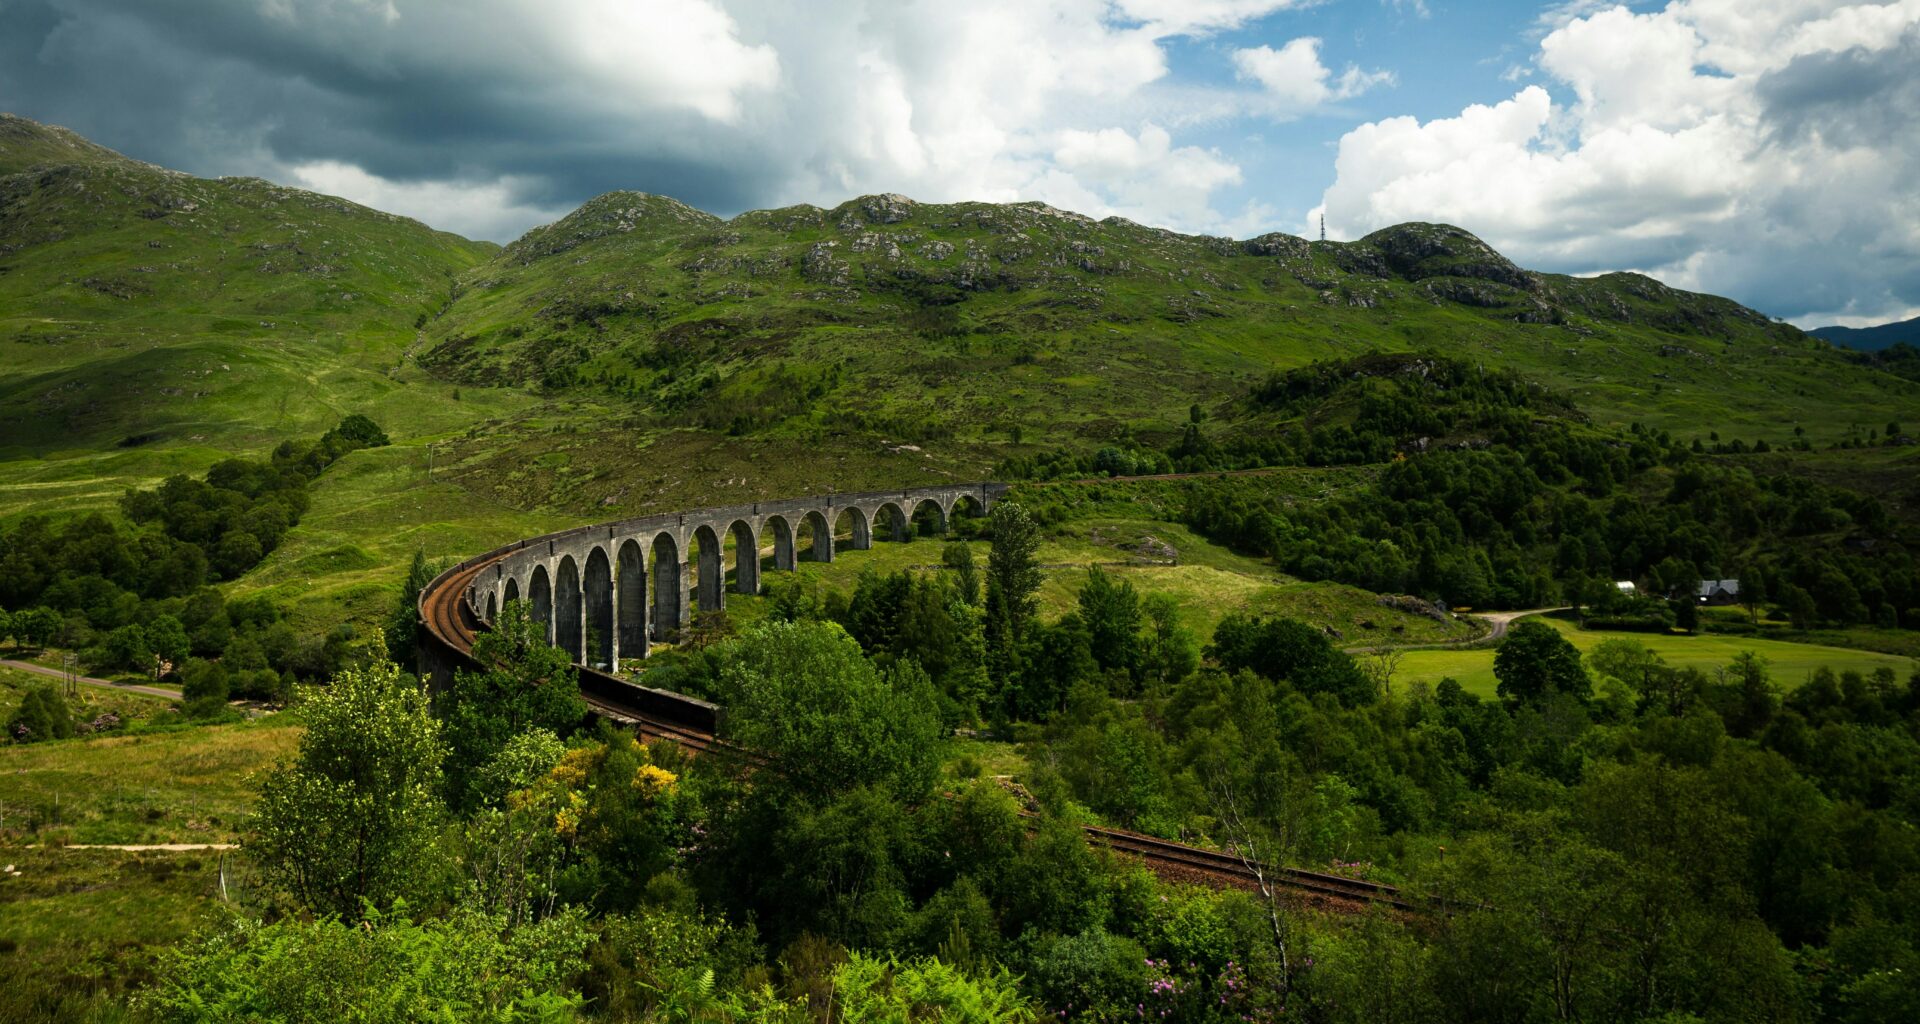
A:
[1790,663]
[184,785]
[79,928]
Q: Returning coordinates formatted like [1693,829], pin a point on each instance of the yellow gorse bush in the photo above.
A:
[654,779]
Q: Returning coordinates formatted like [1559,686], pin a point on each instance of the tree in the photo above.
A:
[167,638]
[237,552]
[35,626]
[360,432]
[1749,700]
[1686,613]
[204,686]
[124,649]
[1381,664]
[1629,661]
[958,556]
[1111,610]
[1535,661]
[1171,652]
[404,620]
[1800,607]
[1290,650]
[6,624]
[527,684]
[353,819]
[1013,577]
[1753,593]
[803,695]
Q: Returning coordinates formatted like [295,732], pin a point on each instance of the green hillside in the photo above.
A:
[951,325]
[151,321]
[640,355]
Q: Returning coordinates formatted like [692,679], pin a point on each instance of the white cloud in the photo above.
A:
[1294,77]
[1184,17]
[1138,176]
[477,210]
[1734,146]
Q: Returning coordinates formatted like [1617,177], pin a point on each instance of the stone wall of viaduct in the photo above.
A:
[603,592]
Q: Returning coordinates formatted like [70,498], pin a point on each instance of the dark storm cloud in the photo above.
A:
[1856,97]
[222,88]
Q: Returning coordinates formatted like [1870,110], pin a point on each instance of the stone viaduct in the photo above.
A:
[603,592]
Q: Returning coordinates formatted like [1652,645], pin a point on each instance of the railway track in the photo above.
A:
[1227,866]
[452,625]
[452,622]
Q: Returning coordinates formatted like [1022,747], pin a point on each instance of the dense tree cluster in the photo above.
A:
[139,598]
[1615,838]
[1333,413]
[1561,517]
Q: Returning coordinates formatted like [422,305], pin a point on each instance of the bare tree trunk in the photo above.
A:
[1244,842]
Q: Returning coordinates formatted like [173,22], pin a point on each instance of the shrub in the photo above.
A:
[43,715]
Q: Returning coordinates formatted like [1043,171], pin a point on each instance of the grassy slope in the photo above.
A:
[185,785]
[194,319]
[92,701]
[152,323]
[947,326]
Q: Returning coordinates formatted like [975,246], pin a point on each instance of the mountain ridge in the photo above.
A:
[1872,339]
[148,308]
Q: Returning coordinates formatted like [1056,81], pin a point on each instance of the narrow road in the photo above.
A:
[1501,620]
[148,691]
[1497,623]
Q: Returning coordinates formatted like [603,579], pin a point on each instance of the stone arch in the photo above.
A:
[540,597]
[630,600]
[493,606]
[816,525]
[569,627]
[710,568]
[783,542]
[965,515]
[596,595]
[859,529]
[669,594]
[890,522]
[746,557]
[928,519]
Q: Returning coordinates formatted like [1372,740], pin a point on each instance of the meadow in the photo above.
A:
[185,784]
[1789,663]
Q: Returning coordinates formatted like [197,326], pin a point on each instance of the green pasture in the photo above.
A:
[185,785]
[1790,663]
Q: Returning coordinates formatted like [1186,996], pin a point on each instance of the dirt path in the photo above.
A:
[1501,620]
[149,691]
[1497,623]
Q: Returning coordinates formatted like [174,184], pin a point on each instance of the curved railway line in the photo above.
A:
[451,625]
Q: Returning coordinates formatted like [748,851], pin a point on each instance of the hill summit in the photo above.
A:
[930,322]
[144,307]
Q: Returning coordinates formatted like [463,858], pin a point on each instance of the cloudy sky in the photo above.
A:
[1762,149]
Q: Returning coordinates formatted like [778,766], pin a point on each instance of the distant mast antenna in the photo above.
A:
[1323,227]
